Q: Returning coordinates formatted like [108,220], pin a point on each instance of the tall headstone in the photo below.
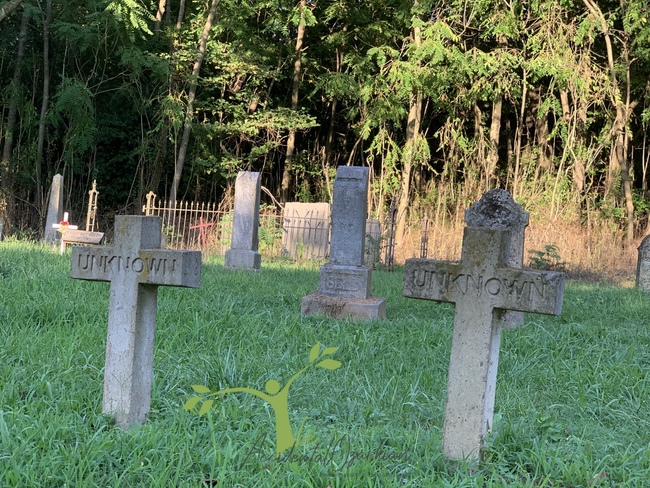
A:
[135,266]
[246,220]
[54,208]
[482,286]
[643,265]
[306,230]
[344,282]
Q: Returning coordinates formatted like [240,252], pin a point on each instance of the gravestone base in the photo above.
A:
[243,258]
[337,307]
[345,281]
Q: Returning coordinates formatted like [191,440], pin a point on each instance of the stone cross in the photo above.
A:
[54,208]
[643,265]
[246,220]
[482,286]
[344,282]
[135,267]
[202,226]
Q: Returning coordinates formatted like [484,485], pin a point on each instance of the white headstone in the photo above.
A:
[246,220]
[306,230]
[54,208]
[135,267]
[482,286]
[344,283]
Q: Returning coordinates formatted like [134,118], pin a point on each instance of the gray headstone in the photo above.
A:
[54,209]
[482,285]
[306,230]
[135,267]
[344,283]
[246,219]
[643,265]
[373,242]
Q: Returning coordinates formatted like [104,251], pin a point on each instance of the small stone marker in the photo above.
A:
[306,230]
[246,220]
[643,265]
[344,283]
[54,208]
[135,266]
[482,285]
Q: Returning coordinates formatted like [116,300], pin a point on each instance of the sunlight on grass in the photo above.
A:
[571,405]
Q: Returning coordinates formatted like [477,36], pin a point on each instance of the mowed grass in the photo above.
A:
[572,404]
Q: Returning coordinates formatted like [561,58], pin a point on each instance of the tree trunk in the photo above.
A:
[493,152]
[159,14]
[46,101]
[410,146]
[189,113]
[492,158]
[6,171]
[8,7]
[618,158]
[285,187]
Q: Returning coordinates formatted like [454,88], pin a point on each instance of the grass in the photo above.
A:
[571,407]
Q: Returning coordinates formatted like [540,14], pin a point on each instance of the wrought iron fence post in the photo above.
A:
[390,236]
[424,240]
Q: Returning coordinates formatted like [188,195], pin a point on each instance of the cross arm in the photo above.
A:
[154,267]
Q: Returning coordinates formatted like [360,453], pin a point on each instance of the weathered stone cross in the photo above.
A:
[483,286]
[135,266]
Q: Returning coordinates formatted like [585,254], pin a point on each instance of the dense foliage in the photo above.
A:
[442,99]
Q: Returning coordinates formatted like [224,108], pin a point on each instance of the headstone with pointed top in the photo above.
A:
[54,209]
[483,285]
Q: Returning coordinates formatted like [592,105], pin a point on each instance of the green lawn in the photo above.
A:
[572,404]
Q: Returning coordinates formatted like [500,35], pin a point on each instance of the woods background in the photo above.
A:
[441,99]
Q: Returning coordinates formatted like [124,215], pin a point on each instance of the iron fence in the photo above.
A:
[194,225]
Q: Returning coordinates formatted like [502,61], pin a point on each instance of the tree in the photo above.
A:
[189,112]
[8,7]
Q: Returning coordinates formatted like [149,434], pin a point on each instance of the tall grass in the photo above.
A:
[571,406]
[595,253]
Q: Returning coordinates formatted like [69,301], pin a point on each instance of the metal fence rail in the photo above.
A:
[290,236]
